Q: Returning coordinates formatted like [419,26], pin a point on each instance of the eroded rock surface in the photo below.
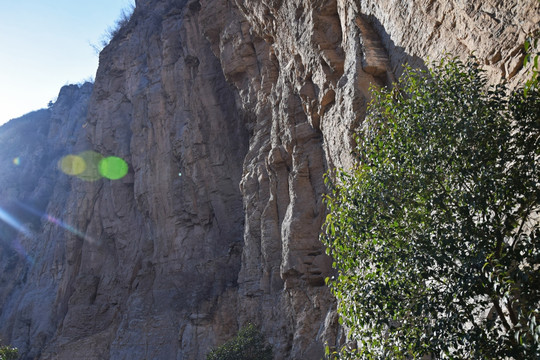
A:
[33,198]
[228,113]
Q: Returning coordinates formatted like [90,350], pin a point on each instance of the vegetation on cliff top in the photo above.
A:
[436,232]
[112,31]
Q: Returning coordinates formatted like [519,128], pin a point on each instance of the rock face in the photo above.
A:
[228,113]
[33,196]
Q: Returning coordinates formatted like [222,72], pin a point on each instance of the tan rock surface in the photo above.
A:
[228,113]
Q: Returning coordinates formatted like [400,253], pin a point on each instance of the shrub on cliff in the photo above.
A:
[8,353]
[248,344]
[123,20]
[435,232]
[111,32]
[532,55]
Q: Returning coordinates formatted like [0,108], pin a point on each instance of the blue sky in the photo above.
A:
[47,44]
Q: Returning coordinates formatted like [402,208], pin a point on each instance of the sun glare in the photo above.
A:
[92,166]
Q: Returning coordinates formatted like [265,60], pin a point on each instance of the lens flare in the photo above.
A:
[56,222]
[17,225]
[67,227]
[113,168]
[92,166]
[17,161]
[22,252]
[14,223]
[72,165]
[91,172]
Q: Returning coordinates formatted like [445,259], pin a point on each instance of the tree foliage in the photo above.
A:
[248,344]
[532,55]
[435,232]
[8,353]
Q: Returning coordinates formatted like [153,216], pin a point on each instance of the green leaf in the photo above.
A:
[420,229]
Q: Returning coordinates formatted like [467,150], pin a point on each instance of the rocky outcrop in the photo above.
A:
[228,113]
[33,197]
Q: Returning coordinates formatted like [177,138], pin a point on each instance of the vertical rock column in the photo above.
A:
[297,67]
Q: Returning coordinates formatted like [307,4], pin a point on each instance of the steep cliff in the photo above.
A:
[228,113]
[33,196]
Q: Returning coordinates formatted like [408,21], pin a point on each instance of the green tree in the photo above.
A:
[532,55]
[8,353]
[248,344]
[435,232]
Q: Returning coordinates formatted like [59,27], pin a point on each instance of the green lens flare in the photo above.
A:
[72,165]
[113,168]
[92,166]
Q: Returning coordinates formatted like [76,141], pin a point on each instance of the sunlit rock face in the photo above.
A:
[227,113]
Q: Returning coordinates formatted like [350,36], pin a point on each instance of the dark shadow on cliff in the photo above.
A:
[397,54]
